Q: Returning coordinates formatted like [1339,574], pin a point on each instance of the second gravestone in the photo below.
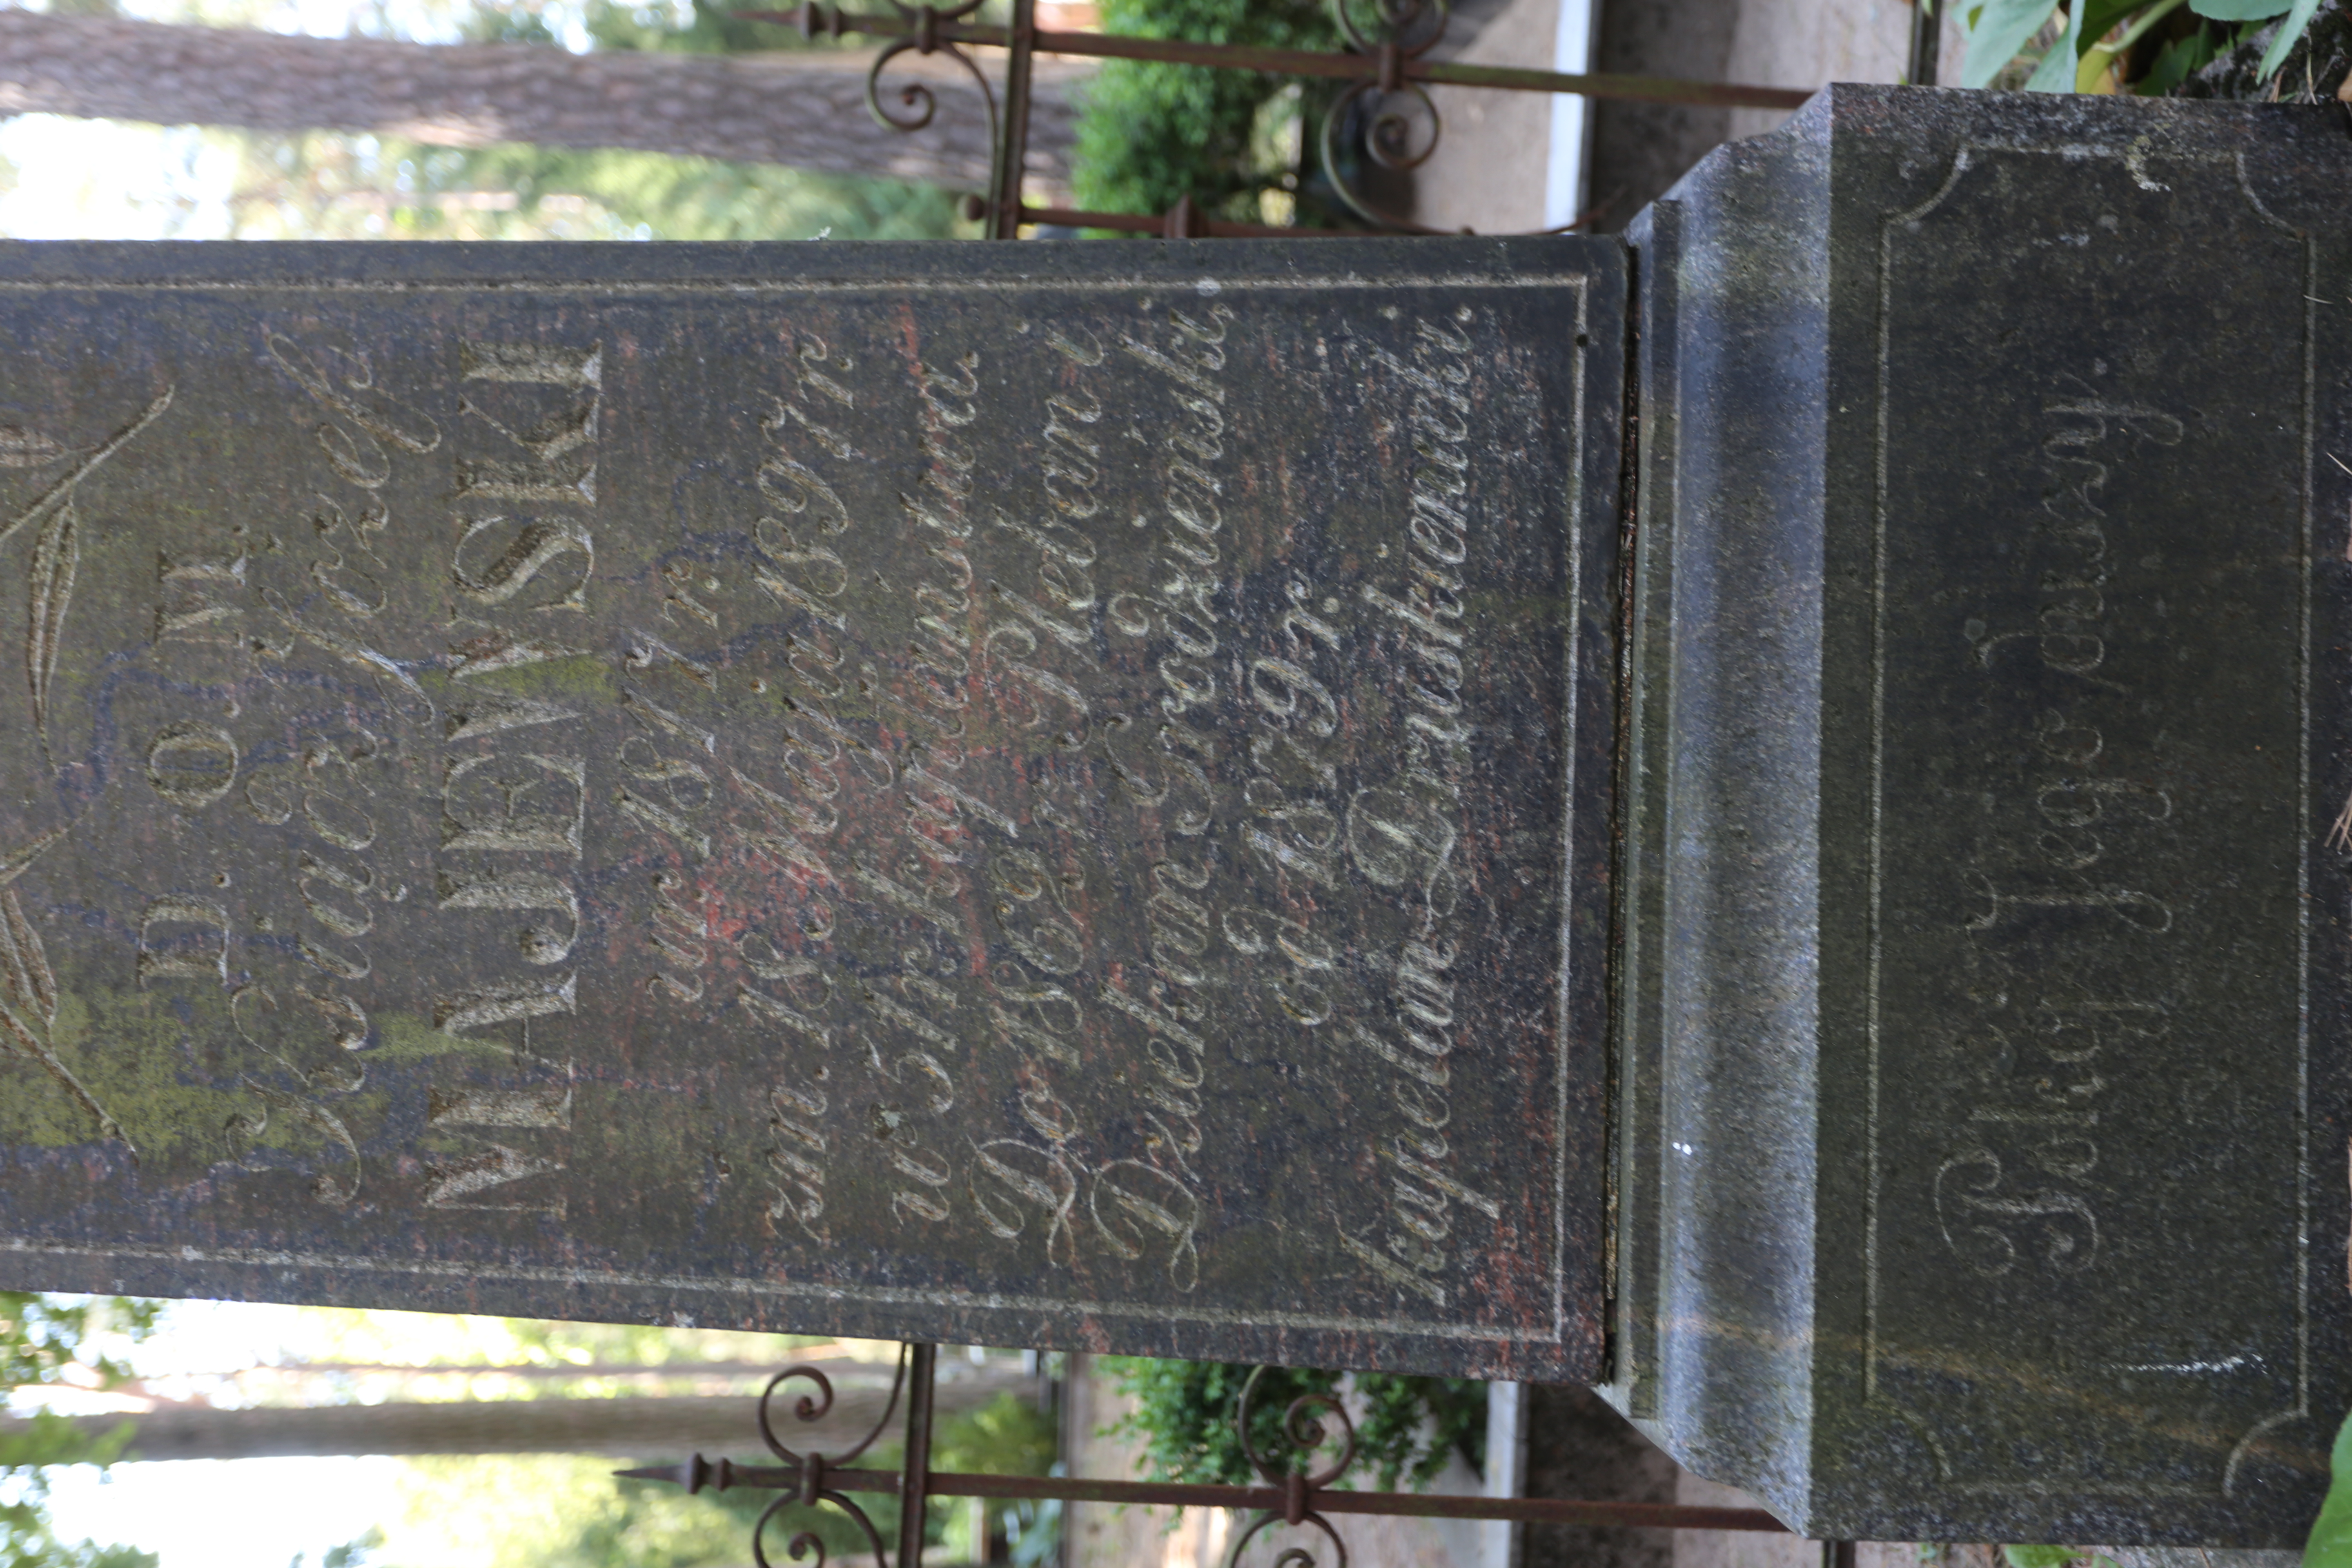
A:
[1012,796]
[1983,1082]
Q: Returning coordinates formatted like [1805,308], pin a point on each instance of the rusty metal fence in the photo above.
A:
[1297,1493]
[1385,108]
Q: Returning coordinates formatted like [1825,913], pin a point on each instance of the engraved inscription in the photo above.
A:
[1401,834]
[2012,1191]
[875,797]
[514,783]
[2087,1005]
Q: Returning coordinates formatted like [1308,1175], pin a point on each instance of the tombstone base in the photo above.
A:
[1982,1087]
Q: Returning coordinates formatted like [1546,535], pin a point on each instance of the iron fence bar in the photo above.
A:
[831,21]
[1176,226]
[1367,67]
[1926,43]
[915,1479]
[724,1475]
[1382,69]
[1292,1497]
[1012,147]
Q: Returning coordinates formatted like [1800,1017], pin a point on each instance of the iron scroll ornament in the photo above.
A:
[914,29]
[804,1482]
[1302,1424]
[1407,30]
[812,1466]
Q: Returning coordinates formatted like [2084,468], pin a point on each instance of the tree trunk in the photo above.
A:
[621,1428]
[803,109]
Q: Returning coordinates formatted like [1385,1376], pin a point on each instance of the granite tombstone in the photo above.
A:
[1118,796]
[1014,796]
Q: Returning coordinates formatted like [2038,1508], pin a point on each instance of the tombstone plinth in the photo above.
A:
[1984,1079]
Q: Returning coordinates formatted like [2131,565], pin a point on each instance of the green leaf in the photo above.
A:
[2330,1545]
[2289,31]
[2240,10]
[2001,28]
[2099,17]
[2039,1556]
[2056,71]
[2174,63]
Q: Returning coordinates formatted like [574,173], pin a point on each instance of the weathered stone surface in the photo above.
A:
[1985,1066]
[1017,795]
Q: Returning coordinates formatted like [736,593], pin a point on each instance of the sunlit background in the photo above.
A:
[473,1510]
[62,178]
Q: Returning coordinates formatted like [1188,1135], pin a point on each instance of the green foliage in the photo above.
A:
[2057,71]
[1184,1416]
[336,187]
[2330,1542]
[1149,134]
[657,197]
[2298,21]
[49,1552]
[2039,1556]
[1410,1425]
[702,29]
[1998,31]
[566,1511]
[48,1339]
[2144,47]
[1009,1437]
[2176,60]
[2241,10]
[2055,1557]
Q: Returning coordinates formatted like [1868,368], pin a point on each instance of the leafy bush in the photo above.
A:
[2207,48]
[1008,1437]
[1184,1416]
[2330,1543]
[1149,134]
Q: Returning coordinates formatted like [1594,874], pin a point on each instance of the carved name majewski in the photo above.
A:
[859,788]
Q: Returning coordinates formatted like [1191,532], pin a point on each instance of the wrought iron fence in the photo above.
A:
[1298,1493]
[1385,106]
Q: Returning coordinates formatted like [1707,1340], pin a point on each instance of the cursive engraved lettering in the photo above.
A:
[2014,1190]
[1401,835]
